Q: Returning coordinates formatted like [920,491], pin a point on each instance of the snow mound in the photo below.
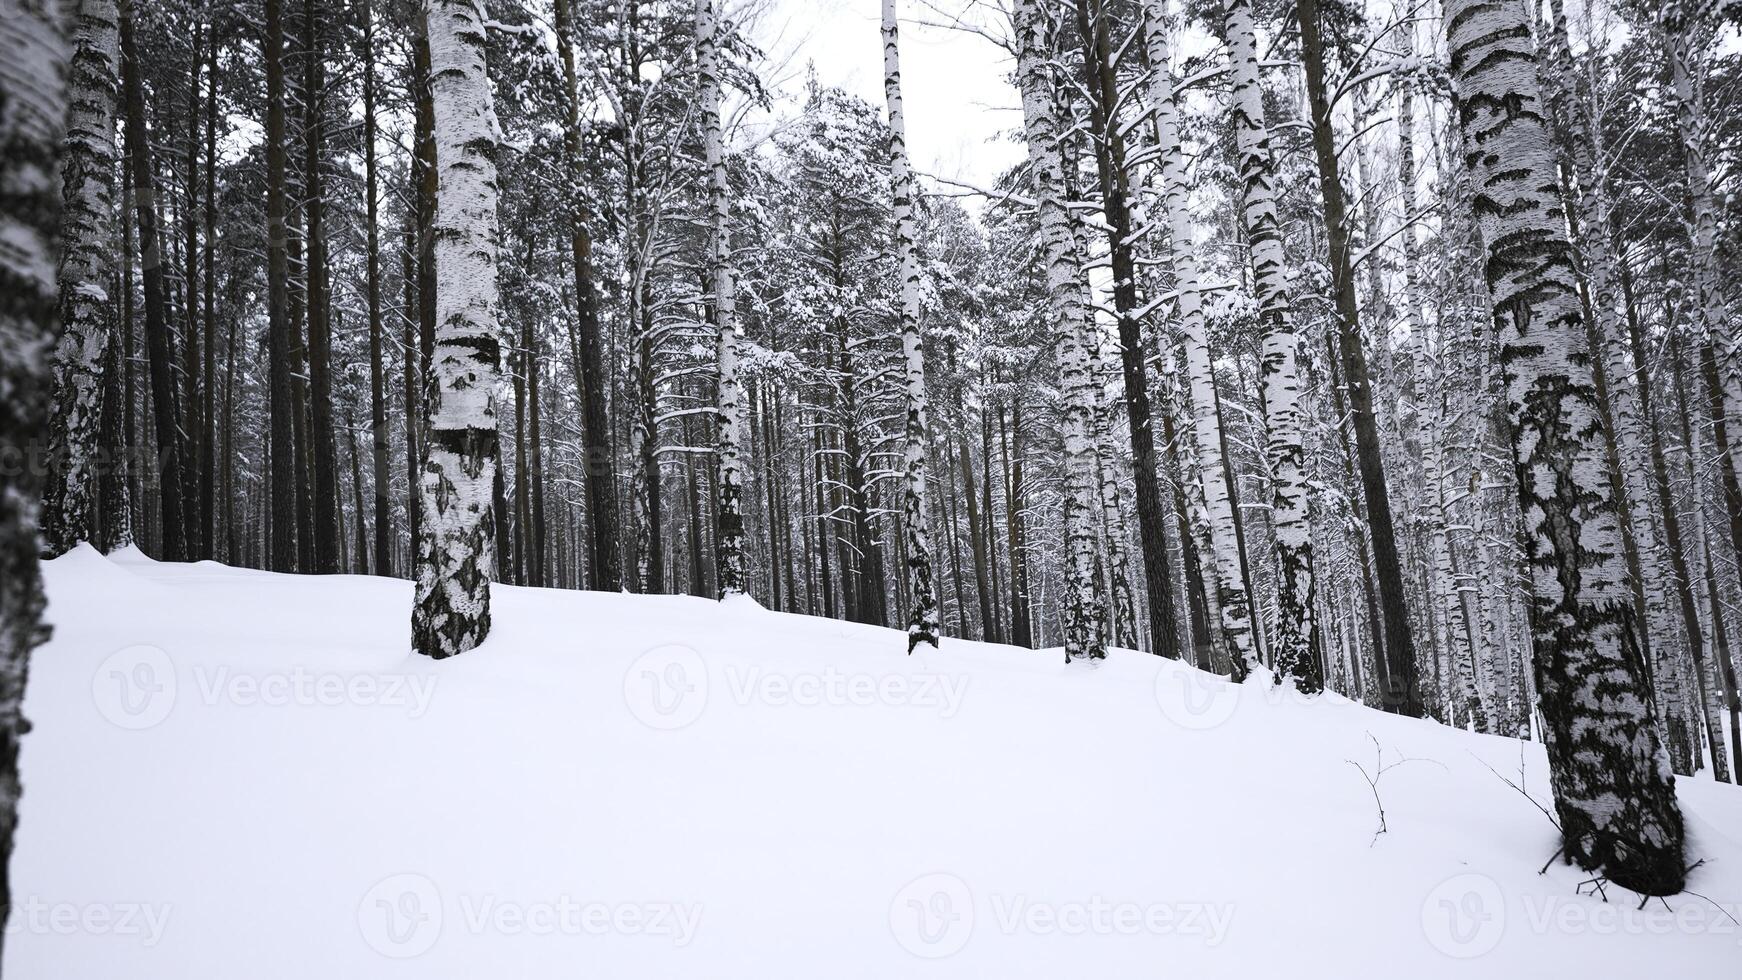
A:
[239,772]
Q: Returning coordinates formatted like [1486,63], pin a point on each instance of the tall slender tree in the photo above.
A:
[88,242]
[1613,792]
[33,117]
[729,399]
[1085,606]
[922,624]
[457,558]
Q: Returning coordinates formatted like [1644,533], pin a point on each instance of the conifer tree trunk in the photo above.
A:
[457,560]
[88,242]
[165,392]
[922,623]
[282,552]
[33,117]
[328,546]
[604,566]
[1613,793]
[208,413]
[1403,694]
[378,435]
[537,532]
[1113,177]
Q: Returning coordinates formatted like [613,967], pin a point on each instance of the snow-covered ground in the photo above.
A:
[235,773]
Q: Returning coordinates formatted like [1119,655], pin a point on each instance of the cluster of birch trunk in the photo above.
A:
[1388,349]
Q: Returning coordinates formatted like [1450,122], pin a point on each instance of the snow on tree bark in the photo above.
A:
[1613,791]
[33,113]
[1084,613]
[1296,639]
[730,398]
[457,558]
[1122,605]
[1585,152]
[922,625]
[1232,597]
[88,246]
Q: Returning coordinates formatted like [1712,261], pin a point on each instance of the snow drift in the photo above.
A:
[234,772]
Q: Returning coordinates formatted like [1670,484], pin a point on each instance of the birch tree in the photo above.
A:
[730,397]
[1232,597]
[922,624]
[33,114]
[457,558]
[88,243]
[1296,637]
[1613,792]
[1085,607]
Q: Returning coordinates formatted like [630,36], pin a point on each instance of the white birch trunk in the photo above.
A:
[922,625]
[1296,640]
[1224,551]
[1121,602]
[457,560]
[1613,791]
[730,406]
[89,246]
[33,113]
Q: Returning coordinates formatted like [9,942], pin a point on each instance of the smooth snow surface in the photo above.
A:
[241,774]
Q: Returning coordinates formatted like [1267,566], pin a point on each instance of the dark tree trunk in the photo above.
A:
[1402,693]
[378,441]
[282,554]
[1109,143]
[165,393]
[327,546]
[208,435]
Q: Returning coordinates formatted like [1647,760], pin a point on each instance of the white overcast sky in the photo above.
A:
[960,108]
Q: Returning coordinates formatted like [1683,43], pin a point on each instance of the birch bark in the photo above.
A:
[729,555]
[1613,791]
[457,559]
[922,624]
[1231,593]
[88,243]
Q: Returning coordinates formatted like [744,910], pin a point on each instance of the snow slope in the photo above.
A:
[235,773]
